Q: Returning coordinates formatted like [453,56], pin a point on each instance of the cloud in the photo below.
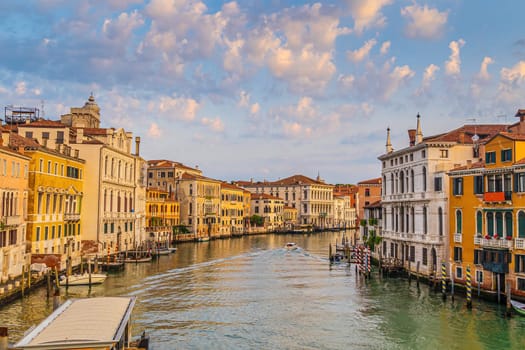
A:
[346,81]
[177,107]
[428,76]
[244,99]
[483,71]
[122,27]
[361,53]
[510,89]
[254,109]
[214,124]
[20,88]
[424,22]
[295,130]
[367,13]
[154,131]
[453,65]
[385,47]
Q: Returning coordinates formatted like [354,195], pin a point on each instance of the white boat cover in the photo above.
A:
[94,323]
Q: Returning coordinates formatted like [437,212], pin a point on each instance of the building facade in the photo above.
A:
[232,210]
[14,167]
[270,208]
[162,216]
[415,193]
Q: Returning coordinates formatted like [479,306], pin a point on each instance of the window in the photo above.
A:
[60,137]
[479,276]
[425,256]
[519,265]
[367,192]
[521,224]
[440,221]
[506,155]
[45,135]
[29,134]
[438,186]
[459,272]
[412,253]
[478,184]
[423,154]
[521,283]
[424,178]
[443,153]
[490,224]
[478,256]
[490,157]
[479,223]
[425,220]
[458,252]
[508,224]
[458,221]
[458,186]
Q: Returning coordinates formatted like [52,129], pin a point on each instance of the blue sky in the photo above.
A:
[267,89]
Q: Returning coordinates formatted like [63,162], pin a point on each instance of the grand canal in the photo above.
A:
[250,293]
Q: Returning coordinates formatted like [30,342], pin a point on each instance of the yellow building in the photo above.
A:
[13,209]
[55,202]
[487,214]
[232,210]
[270,208]
[200,202]
[162,215]
[290,217]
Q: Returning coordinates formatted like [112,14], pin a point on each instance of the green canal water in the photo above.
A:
[251,293]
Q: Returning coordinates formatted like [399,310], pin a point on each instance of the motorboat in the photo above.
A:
[86,324]
[291,246]
[82,279]
[518,307]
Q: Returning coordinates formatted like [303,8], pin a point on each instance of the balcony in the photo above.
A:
[497,197]
[71,217]
[477,240]
[519,243]
[458,238]
[13,220]
[496,243]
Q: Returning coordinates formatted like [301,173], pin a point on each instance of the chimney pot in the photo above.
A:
[412,137]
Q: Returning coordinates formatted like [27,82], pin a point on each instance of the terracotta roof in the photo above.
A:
[24,142]
[513,136]
[187,176]
[43,123]
[163,163]
[375,181]
[476,165]
[484,131]
[376,204]
[520,112]
[264,196]
[287,207]
[231,187]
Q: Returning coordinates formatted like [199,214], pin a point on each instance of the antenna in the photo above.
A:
[475,137]
[42,108]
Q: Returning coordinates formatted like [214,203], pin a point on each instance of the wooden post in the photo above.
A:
[29,277]
[499,287]
[56,299]
[508,290]
[444,280]
[409,274]
[4,344]
[96,264]
[56,277]
[81,265]
[48,276]
[451,281]
[23,279]
[89,271]
[330,252]
[469,289]
[417,273]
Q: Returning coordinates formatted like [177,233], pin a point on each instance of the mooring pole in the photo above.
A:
[444,280]
[469,289]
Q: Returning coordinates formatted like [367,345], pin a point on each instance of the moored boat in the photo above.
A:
[82,279]
[81,324]
[518,307]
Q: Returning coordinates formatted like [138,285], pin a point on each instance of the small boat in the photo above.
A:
[291,246]
[172,249]
[518,307]
[82,279]
[82,324]
[161,251]
[203,239]
[138,259]
[337,258]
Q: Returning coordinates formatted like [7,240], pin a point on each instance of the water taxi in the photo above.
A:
[290,246]
[81,324]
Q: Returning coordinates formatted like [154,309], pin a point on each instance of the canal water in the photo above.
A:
[251,293]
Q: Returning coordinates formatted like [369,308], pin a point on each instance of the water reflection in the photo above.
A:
[251,293]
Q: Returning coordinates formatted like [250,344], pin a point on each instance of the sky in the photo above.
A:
[264,90]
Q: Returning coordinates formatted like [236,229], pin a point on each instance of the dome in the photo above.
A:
[91,104]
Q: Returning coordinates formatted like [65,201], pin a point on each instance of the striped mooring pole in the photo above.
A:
[443,280]
[369,261]
[469,289]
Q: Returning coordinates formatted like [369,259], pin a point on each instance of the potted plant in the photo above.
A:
[487,236]
[496,236]
[508,238]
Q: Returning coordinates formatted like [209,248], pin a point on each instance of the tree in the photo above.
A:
[257,220]
[373,240]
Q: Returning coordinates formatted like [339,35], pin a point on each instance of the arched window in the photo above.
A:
[424,179]
[402,182]
[490,224]
[412,180]
[440,221]
[106,165]
[479,222]
[508,224]
[521,224]
[391,183]
[458,221]
[413,223]
[425,220]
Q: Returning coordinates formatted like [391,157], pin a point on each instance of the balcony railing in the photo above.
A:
[71,217]
[519,243]
[496,243]
[458,238]
[477,240]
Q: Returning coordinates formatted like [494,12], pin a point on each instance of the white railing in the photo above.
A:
[496,243]
[477,240]
[458,238]
[519,243]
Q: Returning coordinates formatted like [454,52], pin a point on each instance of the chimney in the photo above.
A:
[461,137]
[469,163]
[76,153]
[137,146]
[45,142]
[80,135]
[1,139]
[521,114]
[412,137]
